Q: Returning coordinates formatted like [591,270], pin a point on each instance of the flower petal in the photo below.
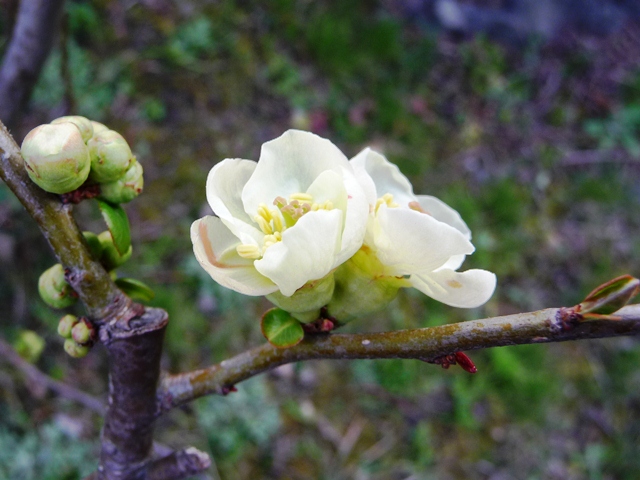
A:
[355,220]
[307,251]
[224,187]
[443,212]
[458,289]
[290,164]
[214,246]
[453,263]
[385,175]
[409,242]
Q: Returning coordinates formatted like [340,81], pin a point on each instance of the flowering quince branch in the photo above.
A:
[325,239]
[426,344]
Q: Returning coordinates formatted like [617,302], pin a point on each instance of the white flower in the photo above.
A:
[287,220]
[418,237]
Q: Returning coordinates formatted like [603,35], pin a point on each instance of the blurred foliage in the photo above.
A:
[533,147]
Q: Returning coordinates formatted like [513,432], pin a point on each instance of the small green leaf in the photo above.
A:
[136,289]
[118,224]
[611,296]
[95,247]
[281,329]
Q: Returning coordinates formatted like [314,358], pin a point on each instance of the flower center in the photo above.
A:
[274,221]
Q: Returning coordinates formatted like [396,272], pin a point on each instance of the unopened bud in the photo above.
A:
[126,188]
[110,156]
[98,127]
[83,124]
[56,158]
[29,345]
[74,349]
[54,289]
[110,257]
[83,332]
[65,325]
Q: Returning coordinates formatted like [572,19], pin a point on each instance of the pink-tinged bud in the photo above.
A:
[98,127]
[125,188]
[111,156]
[83,332]
[56,158]
[74,349]
[65,325]
[54,289]
[83,124]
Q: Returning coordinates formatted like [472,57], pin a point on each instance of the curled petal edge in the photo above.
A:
[213,241]
[468,289]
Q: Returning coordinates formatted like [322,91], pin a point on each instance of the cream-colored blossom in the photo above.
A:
[289,219]
[418,237]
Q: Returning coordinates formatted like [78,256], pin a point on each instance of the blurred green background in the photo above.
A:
[536,147]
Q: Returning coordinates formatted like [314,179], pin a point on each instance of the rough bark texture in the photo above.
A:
[35,29]
[134,349]
[427,344]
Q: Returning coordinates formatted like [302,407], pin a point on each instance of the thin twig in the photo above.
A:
[426,344]
[41,379]
[33,36]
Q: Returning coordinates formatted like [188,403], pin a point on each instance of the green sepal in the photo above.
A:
[610,297]
[111,258]
[280,329]
[306,302]
[118,224]
[135,289]
[95,246]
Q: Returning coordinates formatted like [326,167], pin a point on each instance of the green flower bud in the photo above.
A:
[56,158]
[110,156]
[126,188]
[305,304]
[110,257]
[98,127]
[75,350]
[83,124]
[54,289]
[83,332]
[361,287]
[95,246]
[29,345]
[65,325]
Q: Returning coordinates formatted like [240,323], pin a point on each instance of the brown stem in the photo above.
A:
[33,35]
[424,343]
[42,380]
[132,334]
[134,351]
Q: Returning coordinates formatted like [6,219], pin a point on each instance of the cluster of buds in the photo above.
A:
[63,155]
[79,335]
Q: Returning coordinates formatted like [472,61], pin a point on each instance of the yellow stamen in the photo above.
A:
[278,226]
[264,212]
[301,197]
[263,224]
[248,251]
[386,199]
